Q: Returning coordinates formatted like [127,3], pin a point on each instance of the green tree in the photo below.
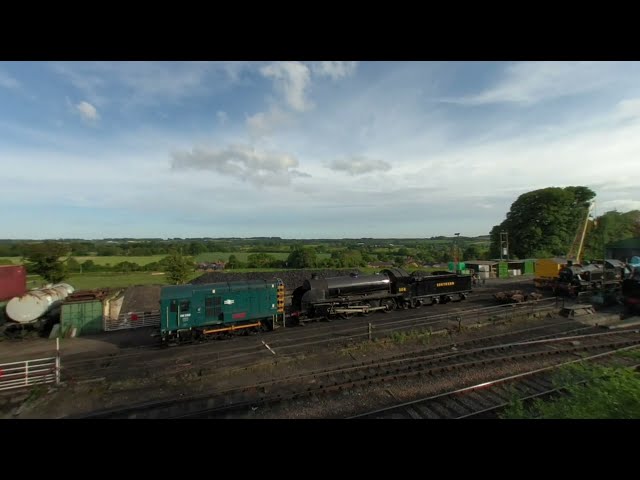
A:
[472,252]
[73,265]
[610,227]
[302,257]
[44,259]
[544,220]
[178,268]
[260,260]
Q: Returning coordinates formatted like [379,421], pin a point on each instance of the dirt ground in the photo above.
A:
[182,378]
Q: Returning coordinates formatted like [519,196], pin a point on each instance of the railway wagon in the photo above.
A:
[188,312]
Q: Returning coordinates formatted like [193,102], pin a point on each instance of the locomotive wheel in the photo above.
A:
[417,303]
[388,305]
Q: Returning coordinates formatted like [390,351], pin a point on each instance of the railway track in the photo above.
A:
[212,355]
[487,399]
[240,403]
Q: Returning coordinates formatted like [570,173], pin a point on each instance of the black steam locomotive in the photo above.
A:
[631,292]
[574,279]
[388,290]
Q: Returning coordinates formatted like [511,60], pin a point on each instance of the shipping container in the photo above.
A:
[85,317]
[549,267]
[13,281]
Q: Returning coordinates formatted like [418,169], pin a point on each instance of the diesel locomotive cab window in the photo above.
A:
[184,306]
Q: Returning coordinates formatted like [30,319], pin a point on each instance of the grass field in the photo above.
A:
[144,260]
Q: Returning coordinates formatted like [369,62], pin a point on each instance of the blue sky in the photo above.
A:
[323,149]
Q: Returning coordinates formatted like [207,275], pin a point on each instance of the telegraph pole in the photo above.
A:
[455,252]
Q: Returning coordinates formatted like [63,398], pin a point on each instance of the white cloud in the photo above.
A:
[87,111]
[530,82]
[7,81]
[242,162]
[149,83]
[359,165]
[629,108]
[264,123]
[292,79]
[621,205]
[335,70]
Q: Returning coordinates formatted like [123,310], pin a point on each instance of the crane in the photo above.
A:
[575,251]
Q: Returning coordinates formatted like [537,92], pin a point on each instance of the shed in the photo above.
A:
[624,249]
[85,310]
[484,268]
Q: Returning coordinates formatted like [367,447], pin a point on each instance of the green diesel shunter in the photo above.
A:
[188,312]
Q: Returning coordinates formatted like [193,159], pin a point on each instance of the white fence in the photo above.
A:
[30,372]
[132,320]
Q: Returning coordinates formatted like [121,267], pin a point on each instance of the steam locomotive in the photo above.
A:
[631,292]
[388,290]
[608,275]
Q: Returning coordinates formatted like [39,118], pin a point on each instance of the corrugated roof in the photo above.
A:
[626,243]
[88,295]
[480,262]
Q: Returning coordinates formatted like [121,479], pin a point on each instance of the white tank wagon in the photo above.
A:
[35,303]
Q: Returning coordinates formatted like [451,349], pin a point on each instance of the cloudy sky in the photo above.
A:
[324,149]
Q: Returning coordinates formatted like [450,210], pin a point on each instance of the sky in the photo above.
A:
[313,149]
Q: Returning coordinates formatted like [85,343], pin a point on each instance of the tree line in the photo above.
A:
[544,223]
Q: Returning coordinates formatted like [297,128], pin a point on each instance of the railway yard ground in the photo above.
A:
[340,369]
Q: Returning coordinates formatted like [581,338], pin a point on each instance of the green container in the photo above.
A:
[452,266]
[529,266]
[503,270]
[85,317]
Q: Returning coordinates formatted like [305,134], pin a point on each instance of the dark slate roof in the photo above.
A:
[627,243]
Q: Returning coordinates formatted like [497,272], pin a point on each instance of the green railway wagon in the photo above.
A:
[191,311]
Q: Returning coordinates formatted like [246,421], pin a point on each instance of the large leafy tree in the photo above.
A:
[543,222]
[610,227]
[178,268]
[45,260]
[302,257]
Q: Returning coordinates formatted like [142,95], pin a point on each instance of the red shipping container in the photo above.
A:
[13,281]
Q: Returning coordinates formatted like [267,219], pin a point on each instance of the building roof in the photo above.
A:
[626,243]
[480,262]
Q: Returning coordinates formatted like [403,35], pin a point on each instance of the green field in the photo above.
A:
[144,260]
[140,260]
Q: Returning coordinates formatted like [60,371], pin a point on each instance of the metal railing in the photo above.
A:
[132,320]
[30,372]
